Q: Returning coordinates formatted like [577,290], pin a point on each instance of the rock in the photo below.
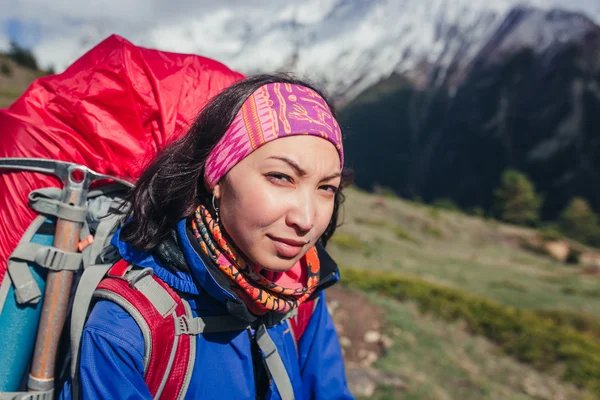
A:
[364,381]
[590,259]
[367,357]
[360,384]
[372,337]
[386,341]
[536,389]
[558,249]
[379,203]
[345,341]
[390,380]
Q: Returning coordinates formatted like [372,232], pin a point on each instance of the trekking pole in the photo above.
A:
[76,181]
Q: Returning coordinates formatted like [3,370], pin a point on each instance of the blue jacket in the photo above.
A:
[112,349]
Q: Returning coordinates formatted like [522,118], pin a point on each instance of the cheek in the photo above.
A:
[249,210]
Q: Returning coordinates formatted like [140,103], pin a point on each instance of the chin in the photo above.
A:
[278,264]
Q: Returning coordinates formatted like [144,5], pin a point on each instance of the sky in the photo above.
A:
[59,31]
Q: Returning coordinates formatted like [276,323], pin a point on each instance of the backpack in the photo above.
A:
[164,317]
[166,321]
[144,99]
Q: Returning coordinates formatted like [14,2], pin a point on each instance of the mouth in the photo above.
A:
[287,248]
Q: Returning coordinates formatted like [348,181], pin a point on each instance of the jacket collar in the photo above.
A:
[201,275]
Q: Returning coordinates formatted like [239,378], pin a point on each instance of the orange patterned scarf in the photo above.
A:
[260,294]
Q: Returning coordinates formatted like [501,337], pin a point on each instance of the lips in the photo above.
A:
[287,248]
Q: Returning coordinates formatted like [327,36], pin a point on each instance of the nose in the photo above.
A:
[301,216]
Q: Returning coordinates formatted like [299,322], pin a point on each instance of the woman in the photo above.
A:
[232,217]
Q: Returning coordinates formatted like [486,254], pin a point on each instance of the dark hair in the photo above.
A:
[172,186]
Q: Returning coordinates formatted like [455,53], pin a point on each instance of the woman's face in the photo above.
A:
[278,201]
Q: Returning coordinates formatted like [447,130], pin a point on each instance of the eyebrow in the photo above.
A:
[300,170]
[292,163]
[330,177]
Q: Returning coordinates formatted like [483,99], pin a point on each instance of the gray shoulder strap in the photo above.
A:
[156,294]
[160,299]
[90,279]
[163,302]
[101,238]
[274,364]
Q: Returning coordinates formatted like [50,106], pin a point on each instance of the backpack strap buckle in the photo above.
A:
[183,326]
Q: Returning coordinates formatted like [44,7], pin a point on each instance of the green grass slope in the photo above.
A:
[475,314]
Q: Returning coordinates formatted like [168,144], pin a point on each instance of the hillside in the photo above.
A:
[434,359]
[14,80]
[477,255]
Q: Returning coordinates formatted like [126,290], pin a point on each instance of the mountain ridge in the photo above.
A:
[531,109]
[344,45]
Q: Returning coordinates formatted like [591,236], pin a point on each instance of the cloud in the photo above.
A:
[133,13]
[62,30]
[66,29]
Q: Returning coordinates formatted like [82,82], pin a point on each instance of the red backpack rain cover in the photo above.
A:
[112,111]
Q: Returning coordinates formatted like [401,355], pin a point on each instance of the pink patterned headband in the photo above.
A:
[273,111]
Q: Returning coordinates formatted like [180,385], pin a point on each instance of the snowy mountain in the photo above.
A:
[527,100]
[347,45]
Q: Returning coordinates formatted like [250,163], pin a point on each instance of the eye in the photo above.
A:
[279,178]
[329,188]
